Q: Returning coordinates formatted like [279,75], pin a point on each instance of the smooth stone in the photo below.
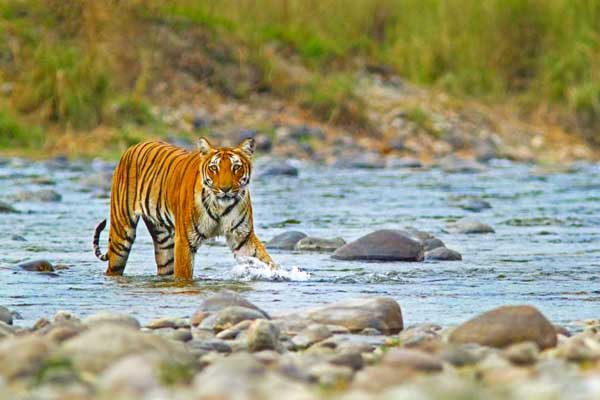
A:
[276,167]
[100,181]
[234,331]
[381,313]
[524,353]
[99,347]
[262,335]
[469,226]
[180,335]
[61,331]
[217,345]
[23,356]
[432,243]
[561,330]
[507,325]
[461,355]
[43,196]
[286,240]
[167,322]
[418,335]
[18,238]
[134,375]
[6,208]
[443,254]
[230,316]
[6,330]
[403,162]
[219,301]
[311,335]
[319,244]
[330,375]
[65,316]
[412,359]
[580,349]
[105,317]
[353,360]
[36,266]
[5,315]
[230,378]
[475,205]
[382,245]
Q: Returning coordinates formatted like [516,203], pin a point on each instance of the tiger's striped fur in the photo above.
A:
[184,198]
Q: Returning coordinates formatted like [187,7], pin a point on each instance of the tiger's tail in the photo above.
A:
[99,228]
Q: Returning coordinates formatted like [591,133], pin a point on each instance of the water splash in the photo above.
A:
[252,269]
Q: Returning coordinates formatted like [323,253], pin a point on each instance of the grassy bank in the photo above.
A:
[74,65]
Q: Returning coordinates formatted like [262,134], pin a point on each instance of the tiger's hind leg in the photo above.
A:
[120,240]
[164,247]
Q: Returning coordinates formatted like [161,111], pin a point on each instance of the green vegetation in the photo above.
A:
[78,64]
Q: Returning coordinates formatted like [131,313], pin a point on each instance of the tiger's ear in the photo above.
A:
[204,146]
[247,147]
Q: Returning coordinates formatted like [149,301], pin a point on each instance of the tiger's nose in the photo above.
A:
[226,189]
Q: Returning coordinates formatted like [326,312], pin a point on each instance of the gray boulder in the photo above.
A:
[319,244]
[469,226]
[42,196]
[382,245]
[443,254]
[286,240]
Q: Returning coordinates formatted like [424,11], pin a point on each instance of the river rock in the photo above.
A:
[524,353]
[105,317]
[507,325]
[362,160]
[412,359]
[97,348]
[475,205]
[319,244]
[219,301]
[403,162]
[43,196]
[432,243]
[5,315]
[23,356]
[275,167]
[286,240]
[36,266]
[469,226]
[382,313]
[453,164]
[18,238]
[6,330]
[229,378]
[382,245]
[100,181]
[167,322]
[310,335]
[179,335]
[230,316]
[443,254]
[210,345]
[133,375]
[6,208]
[262,335]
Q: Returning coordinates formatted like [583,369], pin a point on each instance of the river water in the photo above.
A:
[545,252]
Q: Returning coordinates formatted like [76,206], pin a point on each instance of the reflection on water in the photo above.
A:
[545,250]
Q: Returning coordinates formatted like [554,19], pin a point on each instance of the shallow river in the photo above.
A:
[545,252]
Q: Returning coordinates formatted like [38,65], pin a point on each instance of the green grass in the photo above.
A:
[16,133]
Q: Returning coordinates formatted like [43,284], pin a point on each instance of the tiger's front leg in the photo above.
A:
[249,245]
[184,257]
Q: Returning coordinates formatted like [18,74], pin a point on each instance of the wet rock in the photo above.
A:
[18,238]
[525,353]
[6,316]
[275,167]
[561,330]
[6,208]
[319,244]
[179,335]
[403,162]
[412,359]
[42,196]
[443,254]
[286,240]
[382,245]
[461,355]
[299,133]
[36,266]
[58,162]
[230,316]
[109,318]
[469,226]
[234,331]
[262,335]
[507,325]
[311,335]
[224,299]
[419,335]
[23,356]
[382,313]
[432,243]
[100,181]
[167,322]
[453,164]
[475,205]
[210,345]
[97,348]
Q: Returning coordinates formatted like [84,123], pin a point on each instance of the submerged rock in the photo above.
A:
[382,245]
[230,316]
[43,196]
[286,240]
[469,226]
[453,164]
[443,254]
[507,325]
[381,313]
[275,167]
[6,208]
[475,205]
[319,244]
[5,315]
[36,266]
[221,300]
[105,317]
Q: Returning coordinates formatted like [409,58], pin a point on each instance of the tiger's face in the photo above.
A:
[226,171]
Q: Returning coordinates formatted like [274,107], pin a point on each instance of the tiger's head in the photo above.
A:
[225,171]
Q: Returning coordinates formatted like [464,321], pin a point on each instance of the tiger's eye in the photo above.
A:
[212,168]
[236,167]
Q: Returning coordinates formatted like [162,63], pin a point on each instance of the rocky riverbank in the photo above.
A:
[353,349]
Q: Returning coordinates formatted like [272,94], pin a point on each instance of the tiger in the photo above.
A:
[184,198]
